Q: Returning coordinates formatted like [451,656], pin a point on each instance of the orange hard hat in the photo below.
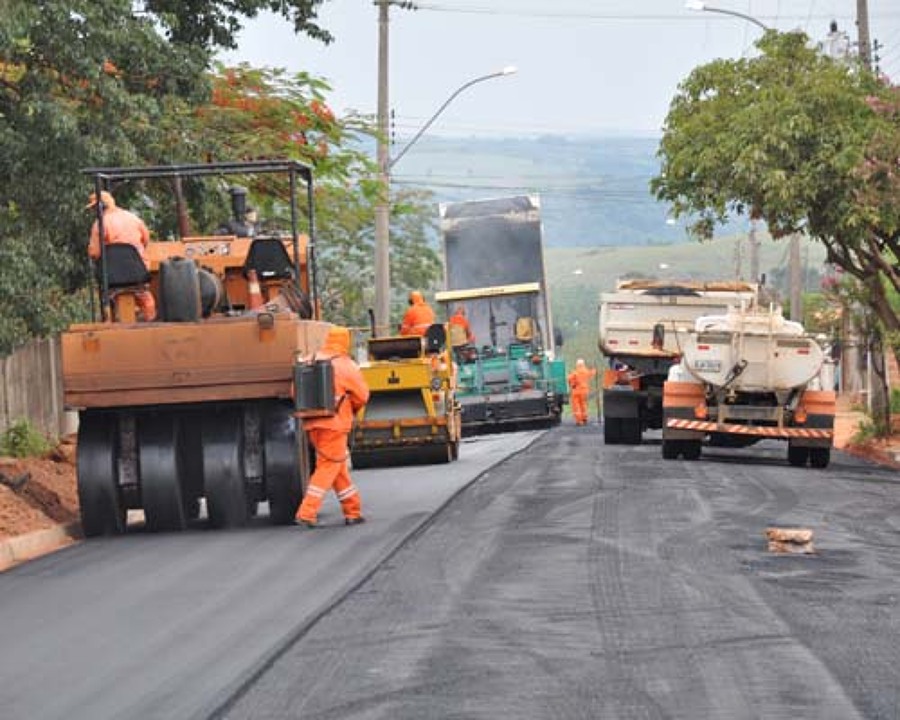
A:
[337,339]
[105,197]
[416,297]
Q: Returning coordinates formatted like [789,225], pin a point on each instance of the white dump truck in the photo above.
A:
[639,326]
[748,375]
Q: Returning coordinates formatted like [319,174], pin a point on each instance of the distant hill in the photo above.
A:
[594,191]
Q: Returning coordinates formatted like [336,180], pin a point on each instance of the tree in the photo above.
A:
[265,112]
[216,23]
[804,142]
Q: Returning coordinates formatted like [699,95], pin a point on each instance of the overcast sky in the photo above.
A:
[584,66]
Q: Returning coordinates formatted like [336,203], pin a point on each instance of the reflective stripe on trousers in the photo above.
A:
[331,473]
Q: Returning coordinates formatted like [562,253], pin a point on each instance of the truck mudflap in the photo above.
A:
[760,431]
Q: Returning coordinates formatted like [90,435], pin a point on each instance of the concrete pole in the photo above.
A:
[862,24]
[796,279]
[753,242]
[383,206]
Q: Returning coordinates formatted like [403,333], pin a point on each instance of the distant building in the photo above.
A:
[837,43]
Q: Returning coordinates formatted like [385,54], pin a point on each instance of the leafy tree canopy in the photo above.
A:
[802,141]
[216,23]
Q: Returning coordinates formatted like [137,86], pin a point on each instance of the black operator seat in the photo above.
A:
[270,259]
[124,266]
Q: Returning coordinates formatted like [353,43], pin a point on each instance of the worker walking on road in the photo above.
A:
[419,317]
[329,435]
[580,385]
[121,226]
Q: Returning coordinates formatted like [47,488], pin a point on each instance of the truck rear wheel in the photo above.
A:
[691,449]
[102,511]
[819,457]
[798,455]
[223,471]
[630,431]
[162,491]
[671,449]
[612,430]
[284,482]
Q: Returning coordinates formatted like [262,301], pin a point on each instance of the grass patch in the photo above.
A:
[22,439]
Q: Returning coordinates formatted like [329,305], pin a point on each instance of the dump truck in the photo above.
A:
[640,324]
[412,416]
[200,402]
[509,378]
[748,375]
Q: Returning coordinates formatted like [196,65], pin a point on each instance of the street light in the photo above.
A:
[703,7]
[508,70]
[383,208]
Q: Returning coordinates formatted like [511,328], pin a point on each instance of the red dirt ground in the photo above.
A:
[36,494]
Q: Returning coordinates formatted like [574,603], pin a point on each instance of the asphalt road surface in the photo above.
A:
[583,581]
[173,626]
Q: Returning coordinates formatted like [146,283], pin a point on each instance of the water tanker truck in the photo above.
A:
[639,326]
[748,375]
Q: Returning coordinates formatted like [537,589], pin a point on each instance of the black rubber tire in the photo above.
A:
[691,449]
[179,291]
[797,455]
[211,292]
[102,510]
[162,491]
[223,469]
[671,449]
[612,431]
[819,458]
[283,477]
[630,429]
[190,448]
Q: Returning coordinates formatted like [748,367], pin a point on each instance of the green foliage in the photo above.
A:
[22,439]
[213,23]
[895,401]
[800,140]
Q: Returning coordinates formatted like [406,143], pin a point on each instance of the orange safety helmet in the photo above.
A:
[337,340]
[106,199]
[416,298]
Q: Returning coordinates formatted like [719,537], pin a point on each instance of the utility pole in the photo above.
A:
[862,24]
[796,279]
[383,207]
[753,242]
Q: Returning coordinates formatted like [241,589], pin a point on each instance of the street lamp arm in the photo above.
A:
[694,5]
[428,124]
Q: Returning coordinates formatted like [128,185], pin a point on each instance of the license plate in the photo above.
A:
[708,365]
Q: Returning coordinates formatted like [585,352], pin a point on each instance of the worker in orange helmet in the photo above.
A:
[419,317]
[580,385]
[329,435]
[460,330]
[121,226]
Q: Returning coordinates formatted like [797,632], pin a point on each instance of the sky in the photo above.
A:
[584,67]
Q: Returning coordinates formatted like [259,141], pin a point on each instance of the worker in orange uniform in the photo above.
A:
[329,435]
[580,385]
[122,226]
[460,330]
[419,317]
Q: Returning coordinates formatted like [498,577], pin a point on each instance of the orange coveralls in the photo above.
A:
[580,384]
[329,435]
[459,318]
[418,318]
[122,226]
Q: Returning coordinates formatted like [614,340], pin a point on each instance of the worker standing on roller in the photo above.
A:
[460,330]
[121,226]
[419,317]
[580,385]
[329,435]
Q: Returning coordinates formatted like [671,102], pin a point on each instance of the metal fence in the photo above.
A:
[31,389]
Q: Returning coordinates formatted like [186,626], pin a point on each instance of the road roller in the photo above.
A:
[412,416]
[197,403]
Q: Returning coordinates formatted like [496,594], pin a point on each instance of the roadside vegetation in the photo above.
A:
[86,84]
[810,145]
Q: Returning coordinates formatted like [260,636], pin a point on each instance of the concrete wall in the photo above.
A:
[31,389]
